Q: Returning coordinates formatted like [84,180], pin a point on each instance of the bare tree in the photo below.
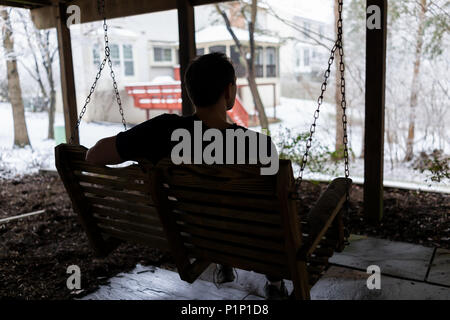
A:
[314,38]
[249,58]
[48,57]
[41,40]
[14,90]
[415,80]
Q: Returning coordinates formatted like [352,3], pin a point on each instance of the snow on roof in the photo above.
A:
[164,80]
[160,80]
[220,33]
[115,31]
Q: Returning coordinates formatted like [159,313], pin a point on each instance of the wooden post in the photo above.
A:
[186,35]
[67,76]
[374,110]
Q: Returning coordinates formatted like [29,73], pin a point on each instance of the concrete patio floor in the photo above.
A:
[408,271]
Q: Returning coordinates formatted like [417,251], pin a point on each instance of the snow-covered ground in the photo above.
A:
[19,161]
[295,115]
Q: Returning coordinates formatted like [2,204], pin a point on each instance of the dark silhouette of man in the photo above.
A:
[211,84]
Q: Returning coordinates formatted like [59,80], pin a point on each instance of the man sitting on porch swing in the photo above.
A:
[211,84]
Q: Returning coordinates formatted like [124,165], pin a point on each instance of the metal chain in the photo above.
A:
[312,129]
[344,115]
[106,59]
[338,45]
[343,102]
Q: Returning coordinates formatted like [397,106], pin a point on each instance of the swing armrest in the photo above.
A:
[323,213]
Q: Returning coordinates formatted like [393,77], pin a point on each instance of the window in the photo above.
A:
[200,51]
[298,56]
[306,57]
[114,54]
[238,62]
[307,28]
[221,49]
[162,54]
[128,59]
[96,54]
[271,64]
[259,62]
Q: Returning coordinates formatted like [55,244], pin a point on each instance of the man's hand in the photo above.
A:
[104,152]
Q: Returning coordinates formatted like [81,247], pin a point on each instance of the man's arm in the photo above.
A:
[104,152]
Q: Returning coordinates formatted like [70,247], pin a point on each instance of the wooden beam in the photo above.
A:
[44,17]
[186,34]
[374,114]
[28,4]
[67,76]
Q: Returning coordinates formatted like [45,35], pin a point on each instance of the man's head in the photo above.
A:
[209,79]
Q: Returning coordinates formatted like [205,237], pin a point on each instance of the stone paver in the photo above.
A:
[248,281]
[347,284]
[394,258]
[150,283]
[403,267]
[338,283]
[440,268]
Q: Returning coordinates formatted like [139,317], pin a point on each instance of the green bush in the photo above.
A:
[436,163]
[321,159]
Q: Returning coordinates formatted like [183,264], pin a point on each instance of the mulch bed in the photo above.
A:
[36,251]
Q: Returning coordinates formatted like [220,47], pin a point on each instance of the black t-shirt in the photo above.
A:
[152,139]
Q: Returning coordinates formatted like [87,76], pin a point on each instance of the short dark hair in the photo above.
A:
[207,77]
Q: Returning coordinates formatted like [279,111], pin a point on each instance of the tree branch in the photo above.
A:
[297,27]
[230,30]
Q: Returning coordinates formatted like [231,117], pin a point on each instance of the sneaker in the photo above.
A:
[224,274]
[274,293]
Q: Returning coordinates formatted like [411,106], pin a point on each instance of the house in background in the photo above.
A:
[218,39]
[144,49]
[309,55]
[302,60]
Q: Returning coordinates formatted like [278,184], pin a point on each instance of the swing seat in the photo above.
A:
[203,214]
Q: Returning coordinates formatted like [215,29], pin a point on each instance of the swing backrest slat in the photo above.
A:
[206,214]
[111,202]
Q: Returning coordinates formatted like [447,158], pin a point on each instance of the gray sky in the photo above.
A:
[321,10]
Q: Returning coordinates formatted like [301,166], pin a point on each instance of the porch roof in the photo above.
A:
[44,12]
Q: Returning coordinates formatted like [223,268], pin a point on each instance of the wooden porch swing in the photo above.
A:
[203,214]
